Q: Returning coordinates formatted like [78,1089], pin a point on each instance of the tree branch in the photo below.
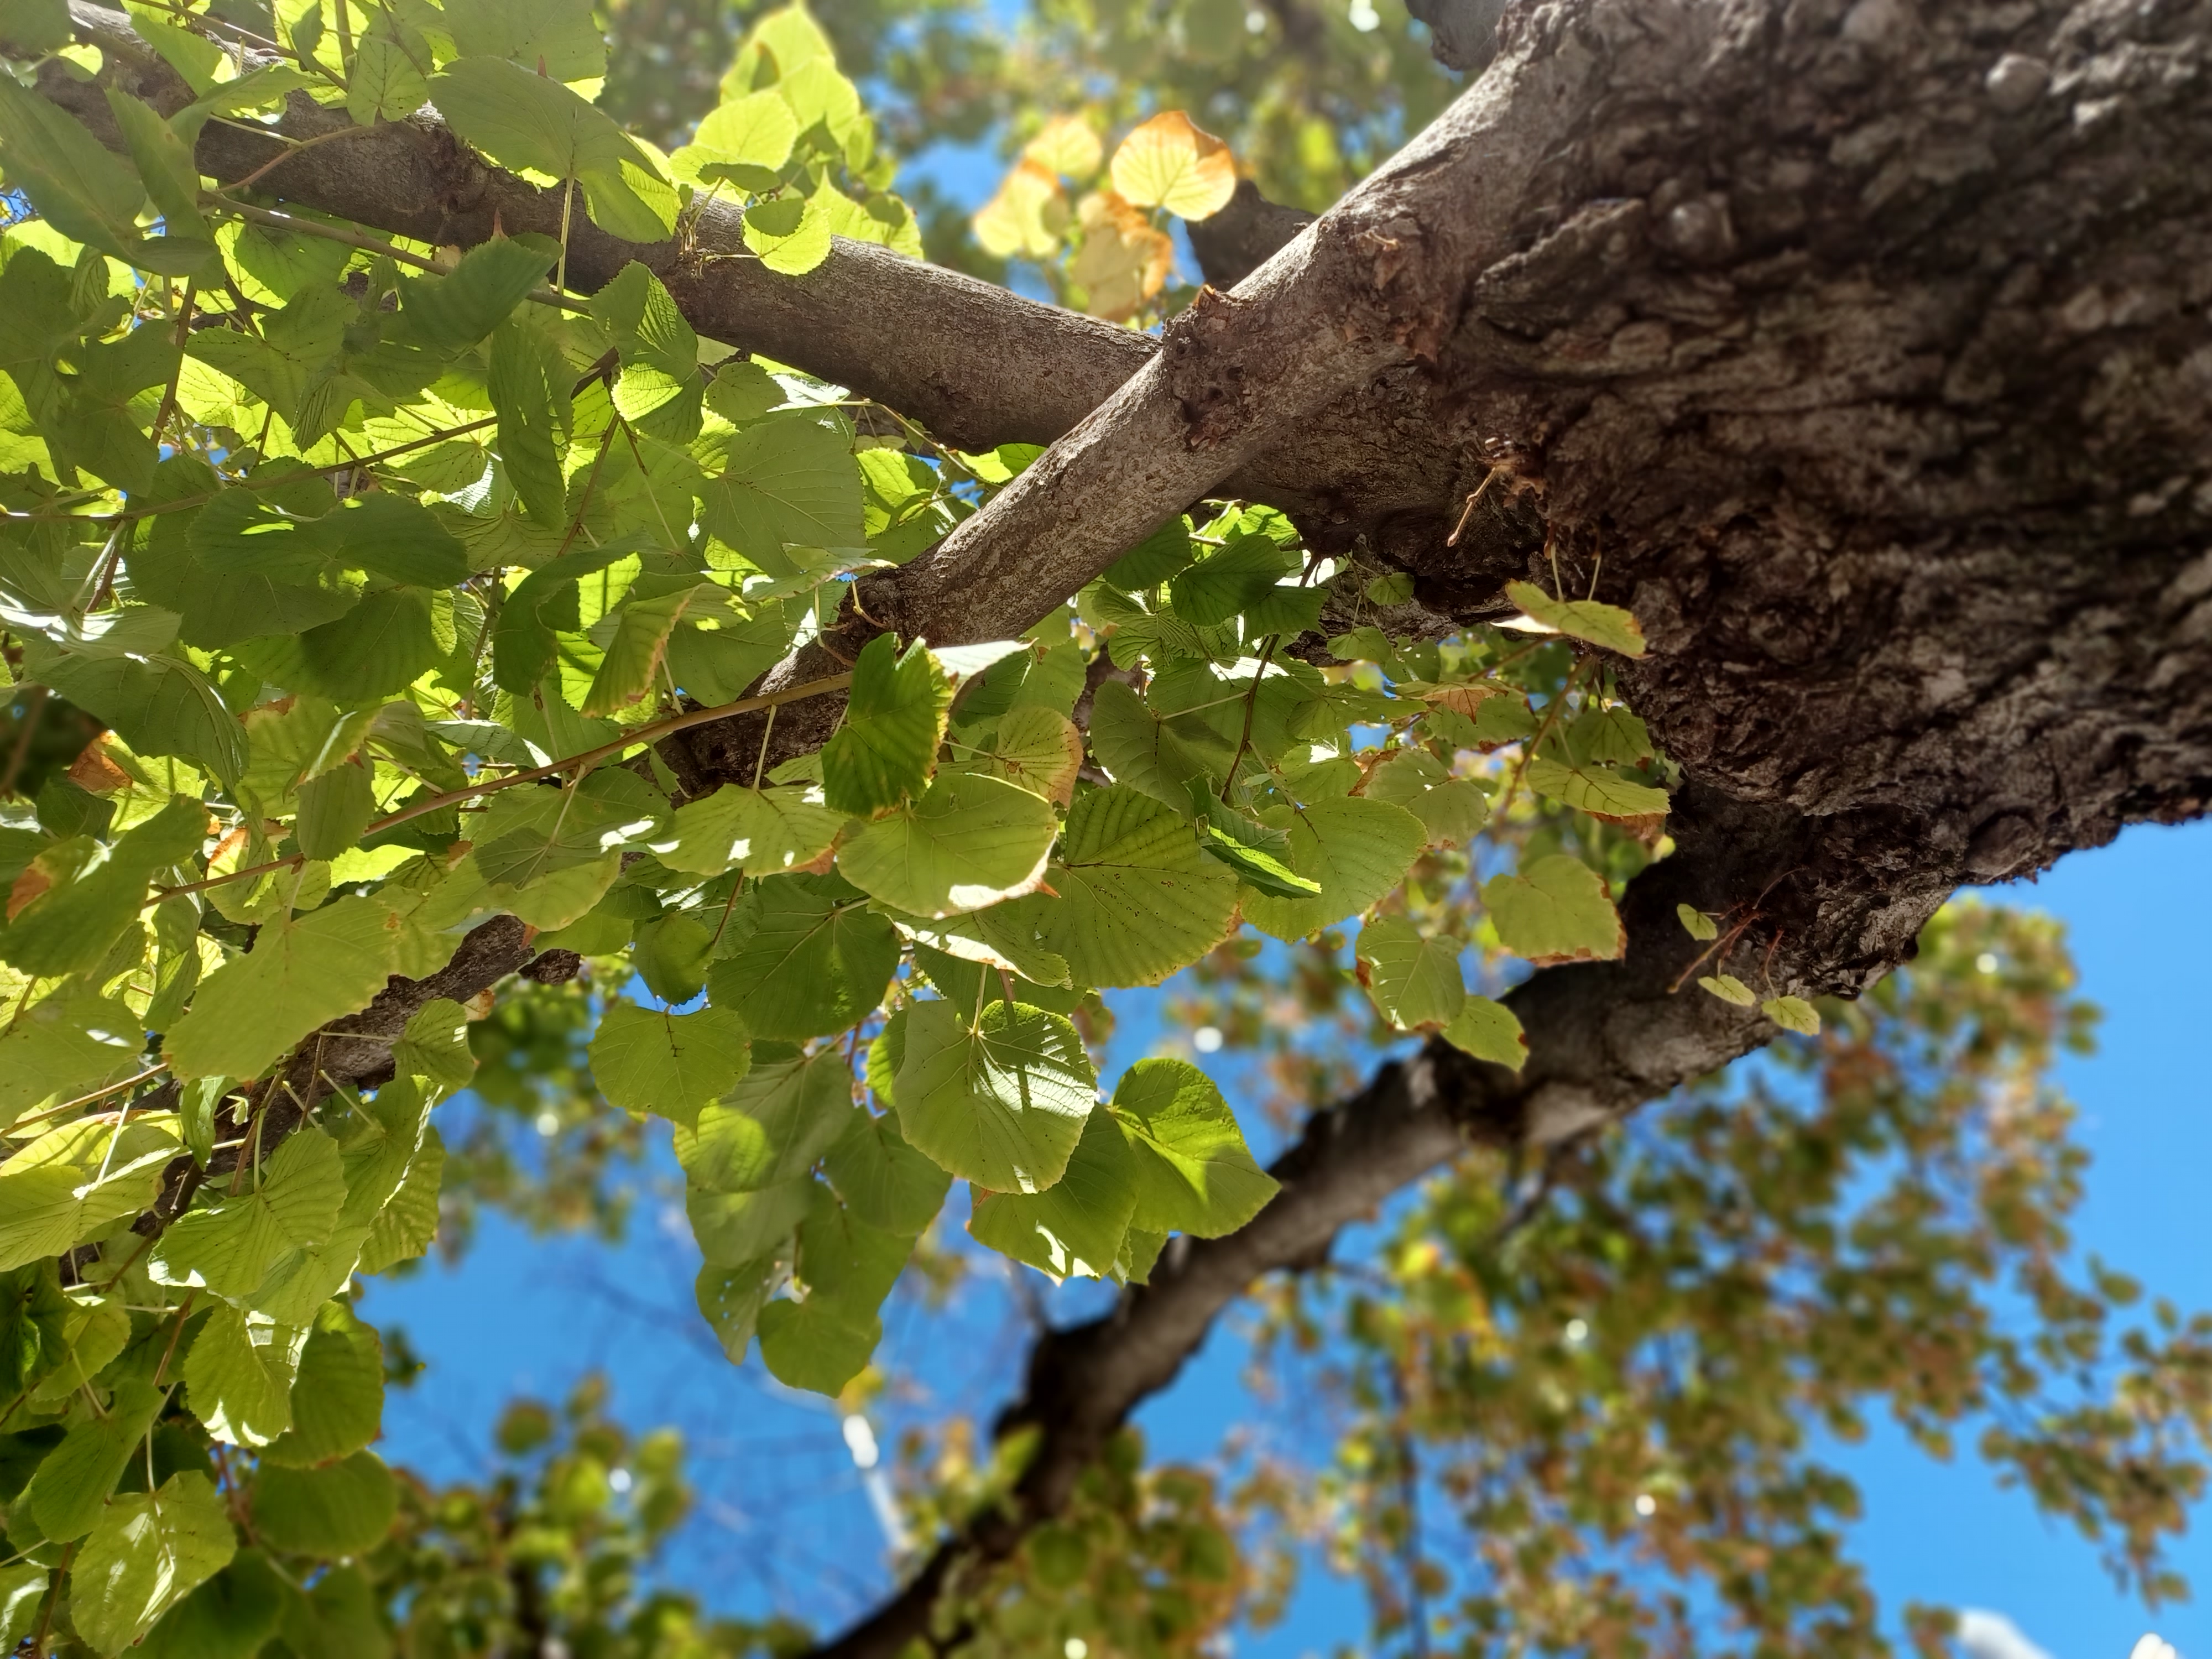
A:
[977,364]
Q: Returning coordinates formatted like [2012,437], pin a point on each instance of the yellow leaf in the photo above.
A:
[1026,216]
[1123,261]
[1066,146]
[1168,163]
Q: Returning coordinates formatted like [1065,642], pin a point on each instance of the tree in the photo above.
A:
[1748,458]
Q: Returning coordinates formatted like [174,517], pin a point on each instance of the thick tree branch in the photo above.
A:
[977,364]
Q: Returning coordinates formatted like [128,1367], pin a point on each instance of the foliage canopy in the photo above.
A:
[347,585]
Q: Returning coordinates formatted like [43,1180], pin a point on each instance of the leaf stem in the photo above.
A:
[545,296]
[52,1112]
[46,1613]
[1251,702]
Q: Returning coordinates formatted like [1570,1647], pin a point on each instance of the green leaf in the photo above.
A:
[1793,1014]
[787,480]
[804,958]
[633,655]
[86,895]
[1075,1227]
[884,1181]
[229,1246]
[409,1221]
[83,190]
[1606,625]
[1154,559]
[1002,1102]
[744,141]
[150,1551]
[453,312]
[1452,809]
[1356,848]
[768,831]
[247,565]
[435,1047]
[660,389]
[1194,1172]
[534,124]
[848,1266]
[735,1230]
[1610,736]
[894,720]
[33,1318]
[1229,580]
[389,77]
[1596,790]
[334,809]
[67,1042]
[338,1401]
[23,1586]
[1136,899]
[731,1299]
[1258,868]
[36,26]
[1556,910]
[75,1180]
[339,1508]
[1414,982]
[164,162]
[301,973]
[1488,1030]
[1141,751]
[559,34]
[969,842]
[238,1375]
[532,835]
[161,704]
[530,385]
[1696,923]
[230,1616]
[790,234]
[647,1060]
[1728,988]
[1036,749]
[400,540]
[817,1348]
[66,1495]
[770,1129]
[98,1329]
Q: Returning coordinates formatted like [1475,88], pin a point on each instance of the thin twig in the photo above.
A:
[177,375]
[86,1100]
[760,764]
[295,146]
[583,762]
[1251,702]
[544,296]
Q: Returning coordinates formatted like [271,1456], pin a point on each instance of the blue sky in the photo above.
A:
[784,1514]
